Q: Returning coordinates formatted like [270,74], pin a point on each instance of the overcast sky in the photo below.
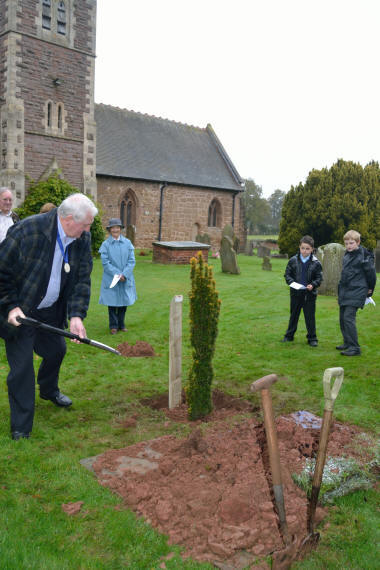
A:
[288,85]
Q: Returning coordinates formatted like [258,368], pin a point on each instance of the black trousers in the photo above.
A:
[21,377]
[305,302]
[347,321]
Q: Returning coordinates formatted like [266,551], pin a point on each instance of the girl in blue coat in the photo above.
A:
[118,289]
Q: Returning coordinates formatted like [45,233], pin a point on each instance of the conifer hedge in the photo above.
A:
[332,201]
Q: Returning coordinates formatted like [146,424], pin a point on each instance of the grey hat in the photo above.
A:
[114,222]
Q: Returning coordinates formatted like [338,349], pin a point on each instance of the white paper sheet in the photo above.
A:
[116,279]
[297,286]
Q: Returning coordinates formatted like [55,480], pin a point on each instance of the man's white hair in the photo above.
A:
[5,189]
[78,206]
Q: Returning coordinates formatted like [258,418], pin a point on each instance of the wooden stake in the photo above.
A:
[175,352]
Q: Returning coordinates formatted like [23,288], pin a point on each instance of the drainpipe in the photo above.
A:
[162,188]
[233,209]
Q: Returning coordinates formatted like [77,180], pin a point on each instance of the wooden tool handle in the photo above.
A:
[264,383]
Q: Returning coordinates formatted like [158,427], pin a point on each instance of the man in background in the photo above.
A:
[7,217]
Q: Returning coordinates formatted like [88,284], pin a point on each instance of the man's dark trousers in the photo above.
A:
[347,321]
[21,378]
[305,301]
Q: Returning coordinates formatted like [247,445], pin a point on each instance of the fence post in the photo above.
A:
[175,352]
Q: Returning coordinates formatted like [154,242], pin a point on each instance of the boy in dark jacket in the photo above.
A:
[304,275]
[357,282]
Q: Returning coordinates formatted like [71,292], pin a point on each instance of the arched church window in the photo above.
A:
[214,214]
[49,114]
[46,14]
[126,212]
[59,118]
[129,213]
[128,209]
[61,18]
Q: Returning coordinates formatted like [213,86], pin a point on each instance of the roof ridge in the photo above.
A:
[152,116]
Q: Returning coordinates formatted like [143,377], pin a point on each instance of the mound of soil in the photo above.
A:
[212,492]
[140,348]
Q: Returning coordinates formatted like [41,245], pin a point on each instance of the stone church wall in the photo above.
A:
[185,210]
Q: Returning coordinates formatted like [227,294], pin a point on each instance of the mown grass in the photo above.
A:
[263,237]
[38,475]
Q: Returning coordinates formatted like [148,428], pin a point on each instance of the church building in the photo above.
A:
[169,181]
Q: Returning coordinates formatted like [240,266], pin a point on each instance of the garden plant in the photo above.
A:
[204,314]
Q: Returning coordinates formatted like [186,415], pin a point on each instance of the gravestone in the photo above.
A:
[131,233]
[203,238]
[331,257]
[249,247]
[267,266]
[263,251]
[377,257]
[229,232]
[228,256]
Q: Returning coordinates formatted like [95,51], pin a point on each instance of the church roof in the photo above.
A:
[143,147]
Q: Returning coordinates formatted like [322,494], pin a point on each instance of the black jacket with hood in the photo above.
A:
[357,278]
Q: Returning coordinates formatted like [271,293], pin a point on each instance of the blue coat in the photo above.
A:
[117,257]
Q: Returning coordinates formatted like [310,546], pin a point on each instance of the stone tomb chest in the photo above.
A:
[179,252]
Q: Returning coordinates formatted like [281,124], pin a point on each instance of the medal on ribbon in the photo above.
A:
[65,254]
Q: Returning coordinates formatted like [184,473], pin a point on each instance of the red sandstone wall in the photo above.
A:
[176,256]
[36,88]
[40,150]
[183,208]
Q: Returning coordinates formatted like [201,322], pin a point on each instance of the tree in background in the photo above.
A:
[261,215]
[204,315]
[332,201]
[55,190]
[275,202]
[256,208]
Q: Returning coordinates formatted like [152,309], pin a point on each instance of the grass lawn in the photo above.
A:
[263,237]
[38,475]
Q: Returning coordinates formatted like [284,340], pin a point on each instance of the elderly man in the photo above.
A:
[45,267]
[7,217]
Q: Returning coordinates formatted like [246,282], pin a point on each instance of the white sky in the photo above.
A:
[288,85]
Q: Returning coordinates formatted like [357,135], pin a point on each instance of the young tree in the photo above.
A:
[204,315]
[55,190]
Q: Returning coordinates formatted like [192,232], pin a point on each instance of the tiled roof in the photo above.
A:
[143,147]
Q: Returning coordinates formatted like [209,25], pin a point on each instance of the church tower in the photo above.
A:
[47,68]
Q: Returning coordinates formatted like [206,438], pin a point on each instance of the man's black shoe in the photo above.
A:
[341,347]
[313,342]
[59,400]
[286,339]
[20,434]
[350,352]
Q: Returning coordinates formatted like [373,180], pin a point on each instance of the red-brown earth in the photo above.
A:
[140,348]
[211,493]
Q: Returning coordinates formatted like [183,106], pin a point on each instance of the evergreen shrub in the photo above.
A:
[204,315]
